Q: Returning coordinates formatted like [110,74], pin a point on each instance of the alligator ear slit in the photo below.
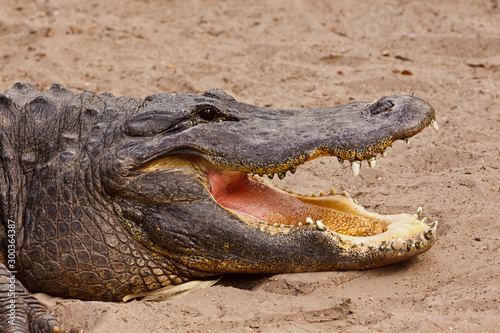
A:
[151,122]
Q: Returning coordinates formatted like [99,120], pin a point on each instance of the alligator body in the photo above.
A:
[102,197]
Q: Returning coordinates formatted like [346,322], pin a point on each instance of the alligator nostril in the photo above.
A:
[380,106]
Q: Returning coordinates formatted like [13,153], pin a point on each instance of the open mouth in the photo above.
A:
[257,200]
[271,209]
[261,204]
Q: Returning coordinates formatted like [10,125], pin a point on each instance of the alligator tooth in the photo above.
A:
[406,140]
[356,166]
[275,224]
[261,175]
[341,160]
[424,220]
[320,226]
[346,194]
[300,223]
[397,244]
[281,175]
[270,175]
[371,162]
[282,225]
[434,125]
[418,213]
[429,233]
[292,170]
[332,191]
[321,194]
[251,174]
[309,220]
[314,195]
[384,152]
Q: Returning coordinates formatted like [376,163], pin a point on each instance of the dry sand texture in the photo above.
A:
[305,54]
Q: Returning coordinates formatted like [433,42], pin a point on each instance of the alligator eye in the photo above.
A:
[207,114]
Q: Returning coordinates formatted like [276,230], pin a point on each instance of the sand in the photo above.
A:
[306,54]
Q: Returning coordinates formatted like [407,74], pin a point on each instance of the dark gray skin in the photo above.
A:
[92,218]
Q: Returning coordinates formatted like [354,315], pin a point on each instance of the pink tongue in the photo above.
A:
[246,196]
[238,192]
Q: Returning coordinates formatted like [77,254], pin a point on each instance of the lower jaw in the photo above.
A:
[376,239]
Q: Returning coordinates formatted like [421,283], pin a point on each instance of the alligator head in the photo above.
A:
[184,180]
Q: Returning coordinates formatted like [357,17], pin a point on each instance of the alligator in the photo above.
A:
[103,197]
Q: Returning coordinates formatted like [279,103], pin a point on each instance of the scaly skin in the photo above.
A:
[103,197]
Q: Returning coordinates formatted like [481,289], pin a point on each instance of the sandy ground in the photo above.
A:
[304,54]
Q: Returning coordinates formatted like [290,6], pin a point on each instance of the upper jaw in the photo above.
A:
[272,140]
